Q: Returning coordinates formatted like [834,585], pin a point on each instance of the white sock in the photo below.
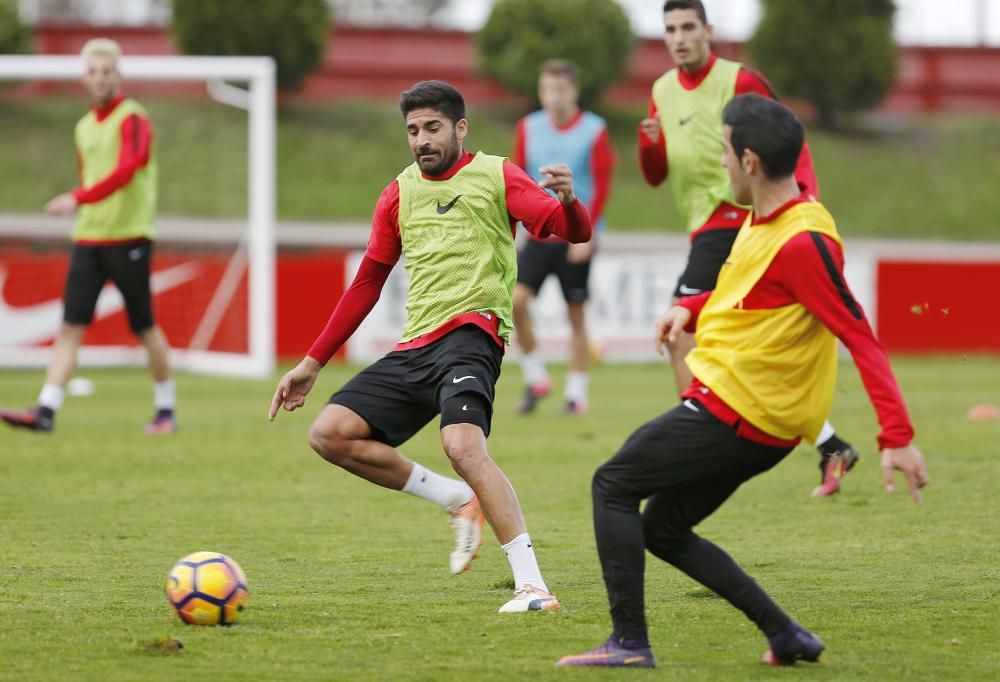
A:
[534,369]
[441,490]
[576,387]
[51,396]
[164,395]
[825,433]
[523,563]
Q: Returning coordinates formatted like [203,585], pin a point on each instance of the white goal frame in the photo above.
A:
[259,101]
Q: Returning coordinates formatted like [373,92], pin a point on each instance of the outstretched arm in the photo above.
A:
[384,247]
[813,268]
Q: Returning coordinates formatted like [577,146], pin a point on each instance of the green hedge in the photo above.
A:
[294,33]
[15,37]
[521,34]
[837,54]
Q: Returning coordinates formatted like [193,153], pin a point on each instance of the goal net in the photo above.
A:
[213,290]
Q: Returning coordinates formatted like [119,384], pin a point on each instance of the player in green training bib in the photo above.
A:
[681,141]
[115,206]
[452,215]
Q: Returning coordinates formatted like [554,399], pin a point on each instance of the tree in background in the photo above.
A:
[837,54]
[15,37]
[294,33]
[521,34]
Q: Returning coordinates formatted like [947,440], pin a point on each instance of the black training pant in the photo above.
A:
[686,462]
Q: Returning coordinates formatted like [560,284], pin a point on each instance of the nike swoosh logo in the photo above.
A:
[447,207]
[34,324]
[690,405]
[458,380]
[687,118]
[688,291]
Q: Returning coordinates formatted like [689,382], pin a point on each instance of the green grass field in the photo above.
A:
[904,178]
[348,581]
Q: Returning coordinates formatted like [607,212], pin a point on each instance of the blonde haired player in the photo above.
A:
[115,206]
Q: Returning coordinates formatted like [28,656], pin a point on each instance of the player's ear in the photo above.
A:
[461,129]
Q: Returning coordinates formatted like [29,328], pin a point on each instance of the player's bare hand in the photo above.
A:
[64,204]
[294,386]
[909,461]
[580,253]
[650,127]
[559,179]
[669,325]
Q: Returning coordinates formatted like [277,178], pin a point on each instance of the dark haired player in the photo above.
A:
[764,368]
[681,139]
[451,213]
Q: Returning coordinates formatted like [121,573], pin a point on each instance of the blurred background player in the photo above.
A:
[681,139]
[765,369]
[560,132]
[113,237]
[452,214]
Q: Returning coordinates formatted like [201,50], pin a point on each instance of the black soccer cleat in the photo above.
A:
[31,419]
[793,643]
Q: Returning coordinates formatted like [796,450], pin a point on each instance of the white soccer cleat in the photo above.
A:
[530,598]
[467,523]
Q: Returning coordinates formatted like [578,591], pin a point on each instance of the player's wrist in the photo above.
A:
[311,364]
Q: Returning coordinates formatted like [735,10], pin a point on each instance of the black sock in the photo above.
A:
[832,446]
[634,643]
[163,413]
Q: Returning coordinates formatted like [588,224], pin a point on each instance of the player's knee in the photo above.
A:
[464,445]
[330,440]
[602,484]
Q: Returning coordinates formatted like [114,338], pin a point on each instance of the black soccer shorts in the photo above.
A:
[402,391]
[709,251]
[127,265]
[537,260]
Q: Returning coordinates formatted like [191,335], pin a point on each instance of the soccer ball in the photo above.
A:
[207,588]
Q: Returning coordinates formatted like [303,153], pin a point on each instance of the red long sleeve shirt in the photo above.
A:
[602,161]
[653,155]
[540,213]
[809,270]
[136,139]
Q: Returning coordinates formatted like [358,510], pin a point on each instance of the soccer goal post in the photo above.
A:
[248,271]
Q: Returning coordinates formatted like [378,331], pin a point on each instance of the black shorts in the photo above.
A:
[537,260]
[127,265]
[709,251]
[402,391]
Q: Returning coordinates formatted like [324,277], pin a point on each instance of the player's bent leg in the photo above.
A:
[465,445]
[340,436]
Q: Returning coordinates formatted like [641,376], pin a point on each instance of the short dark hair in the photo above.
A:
[436,95]
[769,129]
[671,5]
[560,67]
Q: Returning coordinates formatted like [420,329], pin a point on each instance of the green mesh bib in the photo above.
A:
[457,245]
[692,122]
[129,212]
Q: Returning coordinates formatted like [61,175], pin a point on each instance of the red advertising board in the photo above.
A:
[931,306]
